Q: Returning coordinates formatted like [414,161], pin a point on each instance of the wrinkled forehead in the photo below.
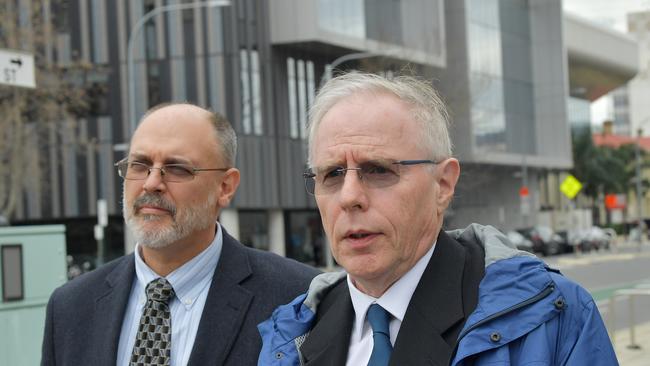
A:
[367,127]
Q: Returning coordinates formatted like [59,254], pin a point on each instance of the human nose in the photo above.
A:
[353,193]
[154,181]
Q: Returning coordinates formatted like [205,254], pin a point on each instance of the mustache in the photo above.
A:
[150,199]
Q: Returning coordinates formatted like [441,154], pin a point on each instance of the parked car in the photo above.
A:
[520,241]
[593,238]
[544,239]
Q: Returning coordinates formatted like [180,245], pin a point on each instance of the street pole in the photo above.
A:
[639,195]
[334,64]
[525,214]
[135,31]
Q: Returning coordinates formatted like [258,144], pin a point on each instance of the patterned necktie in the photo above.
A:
[153,343]
[379,318]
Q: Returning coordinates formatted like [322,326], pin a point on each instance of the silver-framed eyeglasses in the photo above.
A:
[135,170]
[373,174]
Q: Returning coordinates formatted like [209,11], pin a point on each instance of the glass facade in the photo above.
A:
[517,76]
[305,239]
[251,95]
[579,116]
[254,229]
[301,90]
[501,85]
[395,22]
[485,75]
[343,16]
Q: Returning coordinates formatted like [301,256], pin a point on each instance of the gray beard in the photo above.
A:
[184,221]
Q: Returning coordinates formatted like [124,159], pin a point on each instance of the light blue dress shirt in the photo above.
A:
[191,283]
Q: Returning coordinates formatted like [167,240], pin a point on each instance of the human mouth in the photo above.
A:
[360,238]
[153,205]
[153,210]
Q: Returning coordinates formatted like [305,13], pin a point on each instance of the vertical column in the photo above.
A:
[229,219]
[276,232]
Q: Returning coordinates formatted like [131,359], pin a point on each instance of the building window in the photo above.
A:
[305,240]
[251,94]
[301,92]
[294,132]
[254,229]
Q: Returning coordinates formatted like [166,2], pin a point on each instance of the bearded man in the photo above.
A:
[190,294]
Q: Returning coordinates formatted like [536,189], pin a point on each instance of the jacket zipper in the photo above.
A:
[547,291]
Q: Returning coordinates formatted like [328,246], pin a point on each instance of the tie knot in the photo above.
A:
[159,290]
[378,318]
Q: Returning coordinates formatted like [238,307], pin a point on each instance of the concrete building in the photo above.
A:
[634,98]
[601,61]
[501,65]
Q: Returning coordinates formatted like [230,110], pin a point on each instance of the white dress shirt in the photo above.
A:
[395,300]
[191,283]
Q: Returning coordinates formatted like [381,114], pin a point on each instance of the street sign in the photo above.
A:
[17,68]
[523,191]
[570,186]
[615,201]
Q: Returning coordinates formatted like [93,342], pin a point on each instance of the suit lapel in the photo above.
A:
[435,314]
[110,306]
[225,307]
[328,341]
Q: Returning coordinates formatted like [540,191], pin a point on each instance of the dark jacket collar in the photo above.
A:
[442,301]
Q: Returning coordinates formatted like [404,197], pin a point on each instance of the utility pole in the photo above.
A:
[639,194]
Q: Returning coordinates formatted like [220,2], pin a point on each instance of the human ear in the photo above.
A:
[228,186]
[449,171]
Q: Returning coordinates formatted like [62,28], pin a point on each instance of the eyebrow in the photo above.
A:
[170,160]
[329,167]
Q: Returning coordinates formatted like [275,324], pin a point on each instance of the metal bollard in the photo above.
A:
[633,344]
[611,319]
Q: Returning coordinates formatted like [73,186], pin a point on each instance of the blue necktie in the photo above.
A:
[379,318]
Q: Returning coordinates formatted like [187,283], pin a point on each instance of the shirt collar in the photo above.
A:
[395,300]
[189,279]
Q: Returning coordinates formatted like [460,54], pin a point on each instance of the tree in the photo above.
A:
[603,168]
[60,95]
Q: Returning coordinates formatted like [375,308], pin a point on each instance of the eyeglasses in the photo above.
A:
[373,174]
[134,170]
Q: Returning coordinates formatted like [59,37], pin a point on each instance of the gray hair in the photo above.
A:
[224,133]
[427,106]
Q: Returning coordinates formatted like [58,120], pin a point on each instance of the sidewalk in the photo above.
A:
[633,357]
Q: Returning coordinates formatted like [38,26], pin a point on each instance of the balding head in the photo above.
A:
[186,115]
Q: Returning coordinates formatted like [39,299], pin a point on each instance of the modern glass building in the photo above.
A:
[500,65]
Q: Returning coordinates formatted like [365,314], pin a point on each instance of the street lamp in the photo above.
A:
[135,31]
[349,57]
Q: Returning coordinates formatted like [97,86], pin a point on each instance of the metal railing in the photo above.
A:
[631,294]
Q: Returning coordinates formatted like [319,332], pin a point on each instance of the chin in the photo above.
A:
[362,269]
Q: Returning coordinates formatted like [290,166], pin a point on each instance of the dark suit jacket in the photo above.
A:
[445,296]
[84,316]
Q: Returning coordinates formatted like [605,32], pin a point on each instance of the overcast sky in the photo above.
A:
[609,12]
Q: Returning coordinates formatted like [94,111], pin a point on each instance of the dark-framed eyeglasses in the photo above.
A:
[135,170]
[373,174]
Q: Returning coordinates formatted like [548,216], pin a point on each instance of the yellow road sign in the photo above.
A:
[570,186]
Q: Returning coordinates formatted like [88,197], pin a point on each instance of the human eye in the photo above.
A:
[179,170]
[333,175]
[137,167]
[377,169]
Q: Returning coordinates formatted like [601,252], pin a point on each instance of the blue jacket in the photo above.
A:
[527,314]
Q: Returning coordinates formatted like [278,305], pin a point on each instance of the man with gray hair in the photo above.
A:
[382,173]
[190,294]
